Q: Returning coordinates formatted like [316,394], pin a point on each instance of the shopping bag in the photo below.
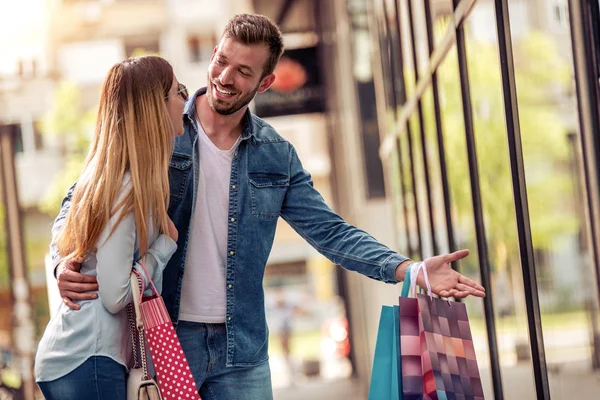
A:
[411,372]
[448,359]
[140,383]
[384,375]
[173,372]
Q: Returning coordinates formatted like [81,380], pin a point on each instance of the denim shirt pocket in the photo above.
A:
[267,192]
[179,170]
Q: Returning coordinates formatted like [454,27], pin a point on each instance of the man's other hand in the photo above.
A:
[73,285]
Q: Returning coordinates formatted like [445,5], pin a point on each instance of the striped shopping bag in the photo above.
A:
[448,353]
[173,372]
[437,350]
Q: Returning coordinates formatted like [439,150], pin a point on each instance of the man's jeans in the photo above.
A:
[99,378]
[205,347]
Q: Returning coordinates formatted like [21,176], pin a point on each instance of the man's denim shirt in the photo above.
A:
[267,182]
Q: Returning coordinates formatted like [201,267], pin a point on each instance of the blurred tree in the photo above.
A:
[539,71]
[74,126]
[542,78]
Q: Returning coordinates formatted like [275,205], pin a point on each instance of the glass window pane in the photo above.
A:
[409,195]
[420,187]
[437,195]
[548,117]
[498,204]
[395,182]
[461,203]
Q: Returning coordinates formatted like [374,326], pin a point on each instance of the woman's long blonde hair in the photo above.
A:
[133,134]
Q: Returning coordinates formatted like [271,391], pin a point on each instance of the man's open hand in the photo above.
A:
[445,281]
[74,286]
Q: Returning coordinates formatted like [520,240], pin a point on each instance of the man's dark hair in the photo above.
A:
[252,29]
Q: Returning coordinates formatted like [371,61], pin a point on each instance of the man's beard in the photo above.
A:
[225,109]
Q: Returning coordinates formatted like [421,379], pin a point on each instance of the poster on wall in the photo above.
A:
[297,88]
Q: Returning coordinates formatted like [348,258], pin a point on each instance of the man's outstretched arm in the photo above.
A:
[305,210]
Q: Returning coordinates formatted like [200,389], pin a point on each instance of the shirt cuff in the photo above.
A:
[56,263]
[162,249]
[389,269]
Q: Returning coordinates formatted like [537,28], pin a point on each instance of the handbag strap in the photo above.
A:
[149,280]
[133,334]
[136,283]
[141,292]
[137,325]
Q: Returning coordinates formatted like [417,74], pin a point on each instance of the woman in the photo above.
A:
[118,215]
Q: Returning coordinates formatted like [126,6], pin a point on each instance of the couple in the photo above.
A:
[207,205]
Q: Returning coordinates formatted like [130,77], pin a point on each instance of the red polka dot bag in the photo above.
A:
[173,372]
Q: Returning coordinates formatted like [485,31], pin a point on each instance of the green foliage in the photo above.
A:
[66,120]
[140,51]
[543,137]
[540,74]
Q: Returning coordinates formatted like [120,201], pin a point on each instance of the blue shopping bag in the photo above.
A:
[384,376]
[386,381]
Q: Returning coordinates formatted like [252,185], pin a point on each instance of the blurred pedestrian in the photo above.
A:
[284,316]
[118,214]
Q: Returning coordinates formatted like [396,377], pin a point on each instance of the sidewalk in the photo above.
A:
[345,389]
[567,382]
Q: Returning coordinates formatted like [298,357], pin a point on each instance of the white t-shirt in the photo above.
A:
[203,293]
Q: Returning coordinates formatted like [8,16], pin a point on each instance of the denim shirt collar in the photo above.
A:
[190,110]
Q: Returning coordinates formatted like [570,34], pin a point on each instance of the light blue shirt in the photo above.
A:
[100,327]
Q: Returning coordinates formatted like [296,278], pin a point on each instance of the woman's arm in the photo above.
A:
[114,262]
[115,259]
[155,262]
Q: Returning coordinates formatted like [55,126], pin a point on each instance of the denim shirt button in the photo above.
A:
[229,318]
[232,219]
[233,186]
[230,286]
[231,252]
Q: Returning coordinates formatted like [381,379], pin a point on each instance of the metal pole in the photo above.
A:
[410,249]
[399,96]
[484,264]
[515,151]
[413,39]
[402,100]
[440,138]
[23,328]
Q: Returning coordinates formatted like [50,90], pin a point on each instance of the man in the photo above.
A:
[232,176]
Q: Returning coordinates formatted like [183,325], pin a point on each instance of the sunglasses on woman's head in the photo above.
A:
[181,90]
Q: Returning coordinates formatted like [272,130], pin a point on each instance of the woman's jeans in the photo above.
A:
[205,347]
[98,378]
